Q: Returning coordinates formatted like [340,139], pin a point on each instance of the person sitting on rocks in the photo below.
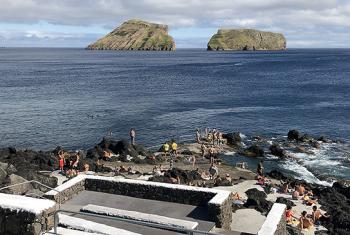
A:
[122,169]
[260,169]
[205,176]
[107,155]
[213,171]
[301,189]
[318,216]
[308,200]
[175,180]
[295,194]
[131,171]
[228,178]
[192,159]
[290,215]
[310,193]
[285,188]
[217,180]
[157,171]
[86,167]
[304,221]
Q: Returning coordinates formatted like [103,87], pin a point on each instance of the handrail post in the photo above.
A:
[55,221]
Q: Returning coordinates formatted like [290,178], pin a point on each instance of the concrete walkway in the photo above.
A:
[168,209]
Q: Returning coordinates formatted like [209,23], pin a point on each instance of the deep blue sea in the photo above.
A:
[72,97]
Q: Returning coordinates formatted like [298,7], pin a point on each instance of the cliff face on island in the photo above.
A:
[246,39]
[136,35]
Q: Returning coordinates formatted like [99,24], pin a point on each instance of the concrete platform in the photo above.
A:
[168,209]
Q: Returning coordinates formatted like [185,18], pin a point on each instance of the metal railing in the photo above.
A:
[142,223]
[37,182]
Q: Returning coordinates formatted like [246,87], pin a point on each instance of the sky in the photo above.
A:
[77,23]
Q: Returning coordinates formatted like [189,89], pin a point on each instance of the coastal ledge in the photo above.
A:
[219,202]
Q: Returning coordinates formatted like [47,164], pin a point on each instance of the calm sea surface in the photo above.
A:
[72,97]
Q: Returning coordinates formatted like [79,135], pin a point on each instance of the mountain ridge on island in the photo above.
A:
[136,34]
[246,39]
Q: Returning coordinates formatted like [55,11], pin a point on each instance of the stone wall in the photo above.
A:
[221,214]
[67,190]
[13,222]
[145,191]
[219,203]
[275,223]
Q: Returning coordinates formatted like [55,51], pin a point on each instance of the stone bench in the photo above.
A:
[139,216]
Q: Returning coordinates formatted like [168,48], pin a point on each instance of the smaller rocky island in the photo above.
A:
[136,35]
[246,39]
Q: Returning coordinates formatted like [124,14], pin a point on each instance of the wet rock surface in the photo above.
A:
[233,138]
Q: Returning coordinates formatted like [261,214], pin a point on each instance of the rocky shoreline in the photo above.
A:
[17,166]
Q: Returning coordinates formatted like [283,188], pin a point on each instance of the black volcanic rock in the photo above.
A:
[233,138]
[293,135]
[257,200]
[253,151]
[278,151]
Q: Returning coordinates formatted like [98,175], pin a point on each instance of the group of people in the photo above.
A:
[68,163]
[306,220]
[170,148]
[213,136]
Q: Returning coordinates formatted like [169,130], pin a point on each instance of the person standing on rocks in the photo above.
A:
[132,136]
[61,160]
[198,136]
[166,148]
[203,150]
[174,148]
[260,169]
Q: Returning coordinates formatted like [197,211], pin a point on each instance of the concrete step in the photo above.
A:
[139,216]
[88,226]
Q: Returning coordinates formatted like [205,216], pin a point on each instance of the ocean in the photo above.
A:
[73,97]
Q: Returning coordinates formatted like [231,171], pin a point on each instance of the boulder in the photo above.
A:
[122,147]
[293,230]
[302,149]
[233,138]
[324,139]
[253,151]
[315,144]
[285,201]
[185,176]
[257,200]
[277,175]
[276,150]
[19,189]
[293,135]
[306,138]
[5,170]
